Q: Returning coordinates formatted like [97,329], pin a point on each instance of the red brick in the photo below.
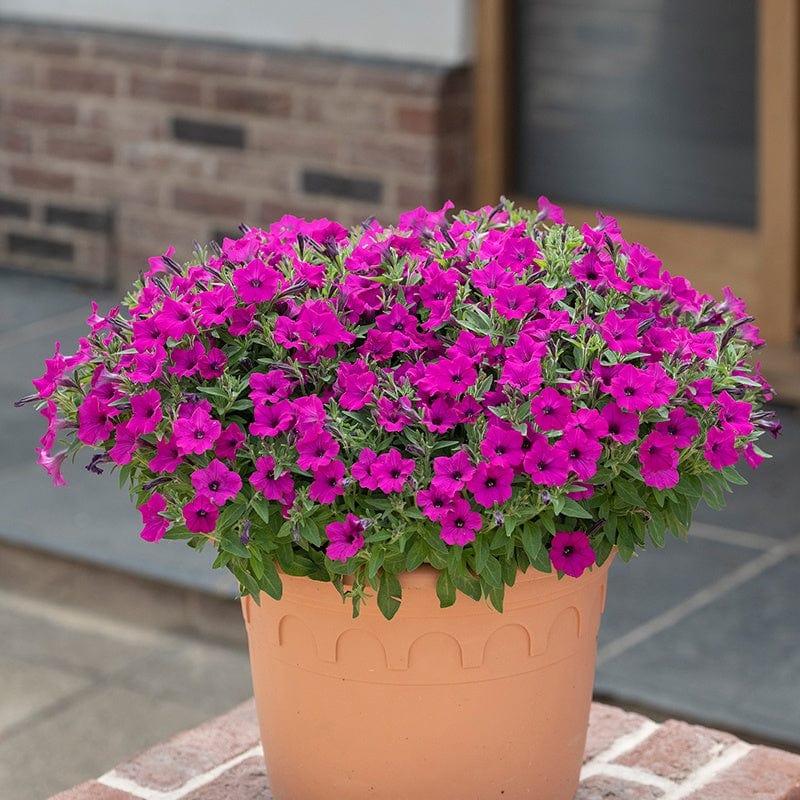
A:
[48,112]
[368,153]
[15,140]
[252,101]
[223,61]
[80,149]
[15,72]
[93,791]
[422,120]
[763,774]
[245,781]
[402,79]
[412,196]
[200,201]
[180,92]
[129,50]
[677,749]
[47,43]
[294,139]
[300,69]
[604,787]
[76,79]
[606,725]
[171,764]
[49,180]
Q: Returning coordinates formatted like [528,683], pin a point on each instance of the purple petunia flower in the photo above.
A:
[316,448]
[491,484]
[51,464]
[95,420]
[146,411]
[256,283]
[551,409]
[168,457]
[571,553]
[345,538]
[391,471]
[328,482]
[623,427]
[582,453]
[435,502]
[230,440]
[460,523]
[632,388]
[196,433]
[200,515]
[217,482]
[679,427]
[361,470]
[659,460]
[720,450]
[502,445]
[155,525]
[547,465]
[450,474]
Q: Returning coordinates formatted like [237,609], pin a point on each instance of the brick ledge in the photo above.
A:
[628,757]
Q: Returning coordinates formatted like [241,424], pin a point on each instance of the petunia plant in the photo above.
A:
[486,394]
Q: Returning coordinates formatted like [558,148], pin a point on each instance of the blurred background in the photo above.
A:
[129,128]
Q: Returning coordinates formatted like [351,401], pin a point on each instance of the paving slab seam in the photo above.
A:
[114,781]
[718,533]
[40,327]
[87,622]
[618,747]
[706,774]
[695,602]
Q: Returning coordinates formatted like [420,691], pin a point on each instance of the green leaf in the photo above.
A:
[496,596]
[574,509]
[310,532]
[732,476]
[656,528]
[231,544]
[416,555]
[271,581]
[375,562]
[531,542]
[626,491]
[481,554]
[492,573]
[261,507]
[389,594]
[469,585]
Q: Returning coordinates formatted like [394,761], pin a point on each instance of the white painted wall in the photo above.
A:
[432,31]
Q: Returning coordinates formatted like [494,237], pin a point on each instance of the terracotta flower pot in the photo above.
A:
[460,702]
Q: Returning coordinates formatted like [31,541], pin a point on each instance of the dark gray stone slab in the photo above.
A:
[657,580]
[734,663]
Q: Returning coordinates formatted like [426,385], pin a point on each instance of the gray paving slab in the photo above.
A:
[29,689]
[656,580]
[733,663]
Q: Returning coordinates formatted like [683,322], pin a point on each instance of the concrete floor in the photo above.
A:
[109,643]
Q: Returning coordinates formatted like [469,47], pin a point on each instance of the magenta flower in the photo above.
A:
[155,525]
[734,414]
[361,470]
[659,460]
[212,364]
[581,451]
[515,302]
[186,360]
[491,484]
[492,278]
[316,449]
[176,319]
[632,388]
[230,440]
[679,427]
[449,376]
[125,443]
[701,392]
[200,515]
[434,502]
[272,420]
[551,409]
[146,411]
[217,482]
[196,433]
[440,416]
[548,210]
[547,465]
[53,374]
[54,424]
[51,464]
[622,426]
[310,413]
[391,471]
[345,538]
[147,367]
[356,382]
[328,482]
[280,489]
[256,283]
[502,445]
[590,422]
[95,420]
[242,320]
[460,523]
[393,415]
[270,387]
[571,553]
[720,450]
[168,457]
[216,306]
[621,335]
[450,474]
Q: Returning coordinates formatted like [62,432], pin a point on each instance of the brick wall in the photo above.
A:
[114,146]
[628,757]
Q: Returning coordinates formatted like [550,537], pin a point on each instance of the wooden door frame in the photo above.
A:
[772,244]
